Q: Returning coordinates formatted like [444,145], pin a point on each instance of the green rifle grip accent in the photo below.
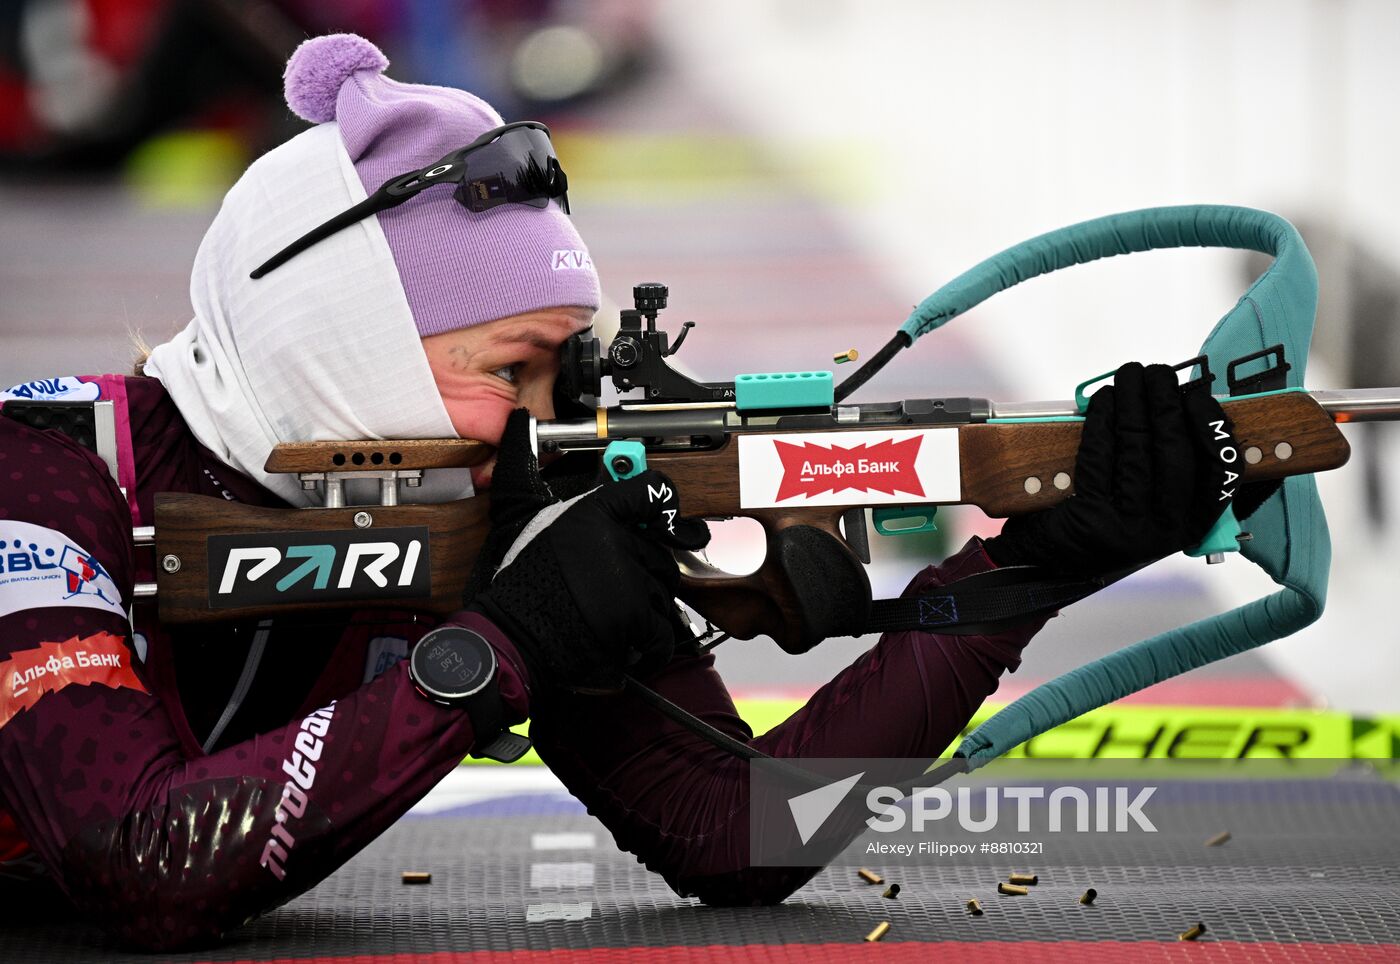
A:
[784,390]
[626,453]
[1276,391]
[1081,401]
[882,515]
[1222,537]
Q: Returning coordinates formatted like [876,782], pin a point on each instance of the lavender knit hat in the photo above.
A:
[458,268]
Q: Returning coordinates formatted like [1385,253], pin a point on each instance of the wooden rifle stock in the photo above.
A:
[184,524]
[998,462]
[1006,469]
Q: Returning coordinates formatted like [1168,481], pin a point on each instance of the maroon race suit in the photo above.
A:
[106,788]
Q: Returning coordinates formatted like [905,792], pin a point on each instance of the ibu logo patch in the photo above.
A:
[575,259]
[346,565]
[66,389]
[42,567]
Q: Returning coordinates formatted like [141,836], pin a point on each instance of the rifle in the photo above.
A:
[789,450]
[778,448]
[786,449]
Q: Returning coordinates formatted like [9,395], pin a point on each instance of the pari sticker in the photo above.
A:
[101,659]
[849,468]
[273,568]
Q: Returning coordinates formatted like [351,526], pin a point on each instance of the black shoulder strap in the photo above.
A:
[92,425]
[987,602]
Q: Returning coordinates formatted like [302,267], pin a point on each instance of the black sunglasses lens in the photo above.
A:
[519,167]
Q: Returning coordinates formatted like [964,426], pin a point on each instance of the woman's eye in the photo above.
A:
[508,372]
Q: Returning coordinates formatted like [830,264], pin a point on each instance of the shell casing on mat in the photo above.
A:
[1193,933]
[881,929]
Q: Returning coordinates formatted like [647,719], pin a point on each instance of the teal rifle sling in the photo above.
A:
[1290,540]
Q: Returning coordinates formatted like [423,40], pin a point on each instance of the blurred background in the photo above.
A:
[801,172]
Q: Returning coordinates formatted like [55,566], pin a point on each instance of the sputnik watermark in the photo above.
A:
[813,813]
[1110,811]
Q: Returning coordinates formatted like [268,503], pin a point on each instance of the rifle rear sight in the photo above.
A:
[636,358]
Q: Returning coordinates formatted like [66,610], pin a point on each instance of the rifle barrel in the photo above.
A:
[1344,405]
[1361,404]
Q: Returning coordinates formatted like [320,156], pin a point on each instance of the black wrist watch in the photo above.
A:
[456,667]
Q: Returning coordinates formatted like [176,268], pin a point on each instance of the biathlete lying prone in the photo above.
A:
[169,820]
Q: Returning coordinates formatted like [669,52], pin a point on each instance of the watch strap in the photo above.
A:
[505,748]
[492,740]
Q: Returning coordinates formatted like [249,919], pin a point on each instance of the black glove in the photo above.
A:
[585,588]
[1154,472]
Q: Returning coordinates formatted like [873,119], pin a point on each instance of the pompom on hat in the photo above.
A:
[458,268]
[317,69]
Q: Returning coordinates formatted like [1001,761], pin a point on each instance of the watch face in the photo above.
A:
[452,662]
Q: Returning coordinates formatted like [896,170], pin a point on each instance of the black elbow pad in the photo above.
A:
[208,858]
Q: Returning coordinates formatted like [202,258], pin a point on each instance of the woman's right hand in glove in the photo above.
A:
[585,588]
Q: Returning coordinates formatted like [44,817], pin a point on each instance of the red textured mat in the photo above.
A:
[908,952]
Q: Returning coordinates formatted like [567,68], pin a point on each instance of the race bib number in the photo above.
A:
[384,652]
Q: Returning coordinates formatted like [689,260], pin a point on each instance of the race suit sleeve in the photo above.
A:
[158,848]
[682,805]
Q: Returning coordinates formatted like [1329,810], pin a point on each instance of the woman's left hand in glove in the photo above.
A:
[1156,467]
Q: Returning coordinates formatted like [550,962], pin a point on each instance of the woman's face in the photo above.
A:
[487,371]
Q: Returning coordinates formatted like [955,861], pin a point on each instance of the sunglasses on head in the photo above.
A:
[514,164]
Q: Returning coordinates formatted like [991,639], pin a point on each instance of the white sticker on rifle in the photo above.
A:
[849,468]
